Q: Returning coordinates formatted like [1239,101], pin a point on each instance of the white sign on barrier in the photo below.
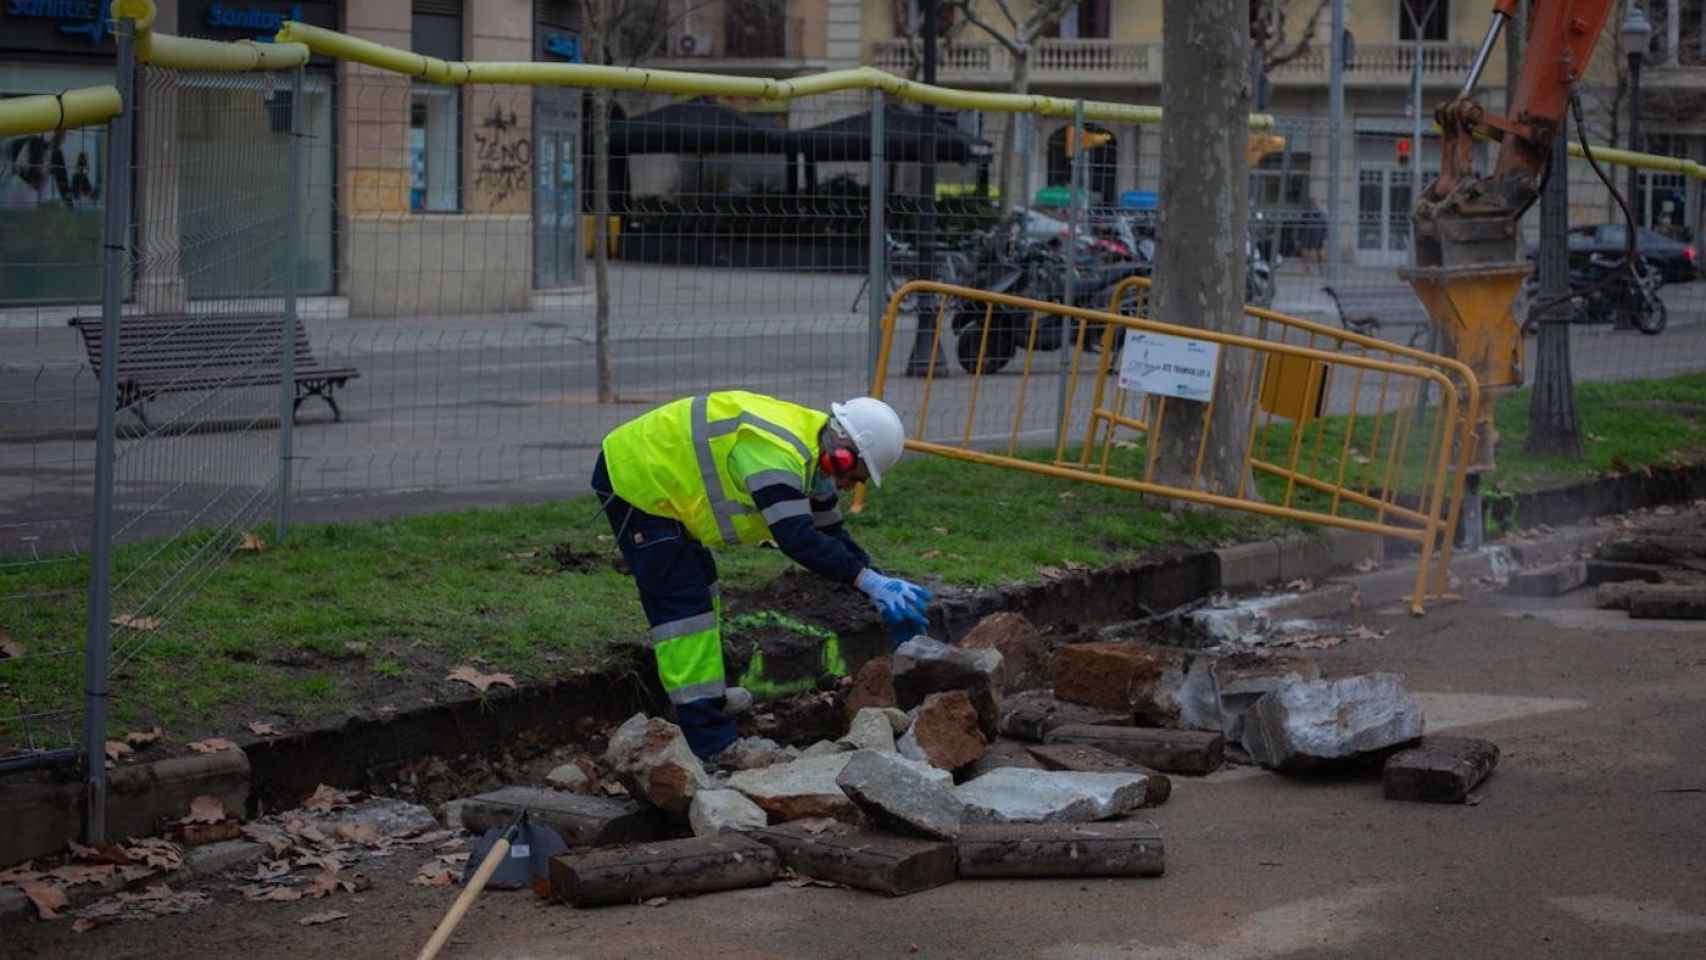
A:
[1168,365]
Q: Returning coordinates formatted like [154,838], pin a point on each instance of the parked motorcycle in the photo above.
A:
[1259,284]
[1012,264]
[1631,299]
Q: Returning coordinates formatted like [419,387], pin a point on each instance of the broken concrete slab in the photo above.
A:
[871,729]
[863,859]
[1170,751]
[1013,795]
[1303,725]
[1439,769]
[873,686]
[391,816]
[895,796]
[1241,679]
[827,748]
[668,868]
[1552,580]
[1612,571]
[654,762]
[1031,715]
[946,731]
[581,821]
[1082,758]
[804,788]
[1156,685]
[720,811]
[751,753]
[923,666]
[1128,847]
[1024,654]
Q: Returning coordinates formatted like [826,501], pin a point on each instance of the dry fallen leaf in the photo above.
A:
[156,852]
[613,789]
[280,894]
[941,530]
[206,809]
[455,859]
[274,840]
[431,836]
[49,899]
[480,681]
[72,875]
[325,916]
[929,554]
[135,622]
[1302,585]
[271,870]
[656,901]
[142,738]
[326,797]
[212,745]
[433,875]
[364,833]
[323,885]
[117,750]
[251,544]
[1050,573]
[260,729]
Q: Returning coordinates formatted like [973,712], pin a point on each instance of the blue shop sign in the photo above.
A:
[264,23]
[85,18]
[564,46]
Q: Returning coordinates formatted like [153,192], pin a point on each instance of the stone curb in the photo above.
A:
[200,863]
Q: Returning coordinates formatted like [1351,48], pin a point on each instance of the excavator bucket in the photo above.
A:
[1470,306]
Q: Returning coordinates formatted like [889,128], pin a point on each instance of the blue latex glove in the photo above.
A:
[899,602]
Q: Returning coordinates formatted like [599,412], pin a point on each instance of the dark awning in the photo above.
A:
[694,128]
[905,133]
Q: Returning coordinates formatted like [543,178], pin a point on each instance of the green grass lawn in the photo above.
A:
[369,615]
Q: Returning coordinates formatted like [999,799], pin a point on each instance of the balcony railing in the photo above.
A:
[1052,61]
[1098,62]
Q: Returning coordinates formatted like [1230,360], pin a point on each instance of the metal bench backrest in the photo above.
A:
[166,344]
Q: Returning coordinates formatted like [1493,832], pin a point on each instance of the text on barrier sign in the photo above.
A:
[1171,366]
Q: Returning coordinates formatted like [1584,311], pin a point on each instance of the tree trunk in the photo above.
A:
[601,213]
[1012,176]
[1204,212]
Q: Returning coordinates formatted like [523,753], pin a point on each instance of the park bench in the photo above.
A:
[1371,310]
[165,354]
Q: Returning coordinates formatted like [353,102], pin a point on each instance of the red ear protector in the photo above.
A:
[837,461]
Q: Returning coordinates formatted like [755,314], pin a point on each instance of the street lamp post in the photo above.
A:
[1637,30]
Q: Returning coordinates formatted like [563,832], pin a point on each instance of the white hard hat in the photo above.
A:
[875,430]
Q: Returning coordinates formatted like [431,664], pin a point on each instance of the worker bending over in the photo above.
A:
[736,467]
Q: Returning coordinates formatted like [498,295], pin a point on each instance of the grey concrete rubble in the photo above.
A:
[750,753]
[803,788]
[923,666]
[716,811]
[1017,795]
[1242,679]
[579,820]
[827,748]
[1302,725]
[896,796]
[871,729]
[654,762]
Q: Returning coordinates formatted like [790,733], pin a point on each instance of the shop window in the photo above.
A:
[1086,20]
[435,161]
[51,197]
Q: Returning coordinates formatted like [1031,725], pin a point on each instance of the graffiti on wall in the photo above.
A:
[503,156]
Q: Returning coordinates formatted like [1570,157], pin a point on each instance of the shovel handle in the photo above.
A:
[446,926]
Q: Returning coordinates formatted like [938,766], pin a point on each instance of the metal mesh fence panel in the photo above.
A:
[52,198]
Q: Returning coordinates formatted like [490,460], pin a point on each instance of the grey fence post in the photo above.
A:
[1068,325]
[1335,142]
[115,235]
[292,270]
[877,272]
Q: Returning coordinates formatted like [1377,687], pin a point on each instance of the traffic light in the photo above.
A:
[1092,140]
[1404,152]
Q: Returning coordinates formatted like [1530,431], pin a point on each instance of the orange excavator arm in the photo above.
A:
[1463,218]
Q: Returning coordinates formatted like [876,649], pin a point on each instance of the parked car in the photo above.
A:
[1677,262]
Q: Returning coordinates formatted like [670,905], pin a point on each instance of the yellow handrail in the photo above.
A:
[188,53]
[82,107]
[344,47]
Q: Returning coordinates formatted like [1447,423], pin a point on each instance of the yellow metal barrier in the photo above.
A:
[1287,380]
[344,47]
[83,107]
[188,53]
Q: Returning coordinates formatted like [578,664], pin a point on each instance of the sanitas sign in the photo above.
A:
[86,18]
[263,22]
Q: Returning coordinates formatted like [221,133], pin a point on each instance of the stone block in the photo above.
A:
[667,868]
[1304,725]
[581,821]
[1170,751]
[1082,758]
[1156,685]
[873,686]
[717,811]
[1024,654]
[1128,847]
[653,760]
[1031,715]
[1439,769]
[1611,571]
[871,729]
[1242,679]
[1013,795]
[946,731]
[801,789]
[863,859]
[143,797]
[895,796]
[923,666]
[1001,753]
[1552,580]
